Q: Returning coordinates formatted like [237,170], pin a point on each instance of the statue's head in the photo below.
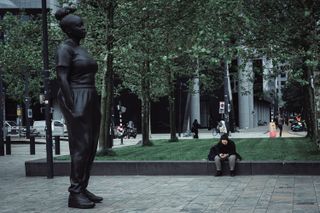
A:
[71,24]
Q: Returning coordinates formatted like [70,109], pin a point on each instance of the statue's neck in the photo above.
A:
[76,41]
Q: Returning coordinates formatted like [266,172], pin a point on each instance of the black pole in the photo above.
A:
[46,89]
[8,145]
[2,97]
[57,145]
[180,121]
[27,103]
[32,145]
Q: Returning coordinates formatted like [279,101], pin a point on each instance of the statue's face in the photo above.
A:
[76,27]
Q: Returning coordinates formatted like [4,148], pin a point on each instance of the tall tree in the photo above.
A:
[138,56]
[286,31]
[173,24]
[20,55]
[100,22]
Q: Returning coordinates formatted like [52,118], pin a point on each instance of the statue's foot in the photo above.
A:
[80,201]
[93,197]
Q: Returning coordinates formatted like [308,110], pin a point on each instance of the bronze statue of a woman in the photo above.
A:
[79,104]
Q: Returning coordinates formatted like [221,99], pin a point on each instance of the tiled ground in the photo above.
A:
[156,194]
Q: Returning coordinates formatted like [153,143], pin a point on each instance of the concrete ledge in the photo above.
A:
[62,168]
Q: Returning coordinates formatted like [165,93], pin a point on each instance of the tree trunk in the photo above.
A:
[309,111]
[145,106]
[311,107]
[172,113]
[317,101]
[105,139]
[103,106]
[312,19]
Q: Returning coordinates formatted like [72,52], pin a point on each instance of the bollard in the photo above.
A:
[57,144]
[1,146]
[8,145]
[32,146]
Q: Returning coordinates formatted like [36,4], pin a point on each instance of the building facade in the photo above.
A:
[255,96]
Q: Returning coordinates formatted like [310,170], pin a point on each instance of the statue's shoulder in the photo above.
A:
[65,46]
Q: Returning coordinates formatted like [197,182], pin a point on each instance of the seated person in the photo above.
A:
[225,149]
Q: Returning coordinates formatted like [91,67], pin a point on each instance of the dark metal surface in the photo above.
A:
[46,89]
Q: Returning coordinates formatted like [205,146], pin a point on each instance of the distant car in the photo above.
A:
[58,127]
[11,128]
[298,126]
[33,132]
[291,119]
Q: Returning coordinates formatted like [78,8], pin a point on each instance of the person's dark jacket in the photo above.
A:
[230,149]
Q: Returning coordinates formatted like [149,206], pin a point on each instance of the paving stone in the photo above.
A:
[258,210]
[156,194]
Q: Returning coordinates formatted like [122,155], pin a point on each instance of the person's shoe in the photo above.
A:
[232,173]
[218,173]
[80,201]
[93,197]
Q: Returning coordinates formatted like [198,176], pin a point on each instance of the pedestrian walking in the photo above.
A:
[195,128]
[280,123]
[79,102]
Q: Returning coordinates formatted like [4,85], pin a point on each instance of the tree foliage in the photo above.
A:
[157,43]
[20,55]
[287,32]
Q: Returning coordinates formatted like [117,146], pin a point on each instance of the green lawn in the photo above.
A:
[249,149]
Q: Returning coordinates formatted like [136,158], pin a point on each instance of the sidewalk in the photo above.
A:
[257,132]
[155,194]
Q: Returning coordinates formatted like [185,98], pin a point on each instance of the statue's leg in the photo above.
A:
[93,123]
[80,149]
[93,117]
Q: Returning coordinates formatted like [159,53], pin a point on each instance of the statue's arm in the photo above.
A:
[62,74]
[64,57]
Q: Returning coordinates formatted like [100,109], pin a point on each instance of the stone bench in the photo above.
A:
[62,168]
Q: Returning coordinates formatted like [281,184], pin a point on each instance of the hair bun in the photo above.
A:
[62,12]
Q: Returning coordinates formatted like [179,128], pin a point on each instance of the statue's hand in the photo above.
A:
[69,105]
[68,102]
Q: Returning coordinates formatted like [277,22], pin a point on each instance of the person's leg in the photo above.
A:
[196,132]
[232,163]
[217,161]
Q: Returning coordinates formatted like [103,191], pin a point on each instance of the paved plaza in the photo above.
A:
[156,194]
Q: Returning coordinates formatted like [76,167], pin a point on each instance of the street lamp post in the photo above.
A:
[1,115]
[179,120]
[46,89]
[121,128]
[121,110]
[226,94]
[27,103]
